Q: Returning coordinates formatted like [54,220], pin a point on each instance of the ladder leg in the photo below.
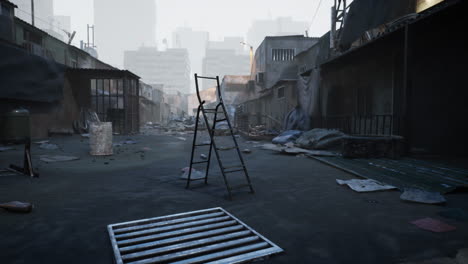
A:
[226,182]
[238,150]
[193,147]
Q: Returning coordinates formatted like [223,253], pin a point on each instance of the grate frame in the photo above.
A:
[204,236]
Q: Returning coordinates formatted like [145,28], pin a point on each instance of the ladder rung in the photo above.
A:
[198,162]
[228,148]
[204,77]
[234,171]
[199,145]
[233,167]
[197,179]
[239,186]
[221,120]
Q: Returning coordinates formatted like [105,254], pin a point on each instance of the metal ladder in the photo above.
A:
[212,144]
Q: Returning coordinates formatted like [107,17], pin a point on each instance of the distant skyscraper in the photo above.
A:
[170,67]
[123,25]
[281,26]
[195,42]
[225,58]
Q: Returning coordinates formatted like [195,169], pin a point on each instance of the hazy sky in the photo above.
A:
[219,17]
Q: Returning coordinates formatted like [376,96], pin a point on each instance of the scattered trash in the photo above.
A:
[206,142]
[60,131]
[455,213]
[421,196]
[2,149]
[48,146]
[247,151]
[237,136]
[321,139]
[196,174]
[41,142]
[433,225]
[16,206]
[181,138]
[295,150]
[365,185]
[222,125]
[287,136]
[203,156]
[85,135]
[57,158]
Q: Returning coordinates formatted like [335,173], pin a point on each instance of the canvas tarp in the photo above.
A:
[28,77]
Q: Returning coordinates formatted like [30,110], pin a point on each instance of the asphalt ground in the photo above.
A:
[297,205]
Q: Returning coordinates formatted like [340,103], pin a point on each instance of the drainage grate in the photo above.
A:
[206,236]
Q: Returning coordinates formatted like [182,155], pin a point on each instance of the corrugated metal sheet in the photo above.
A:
[404,173]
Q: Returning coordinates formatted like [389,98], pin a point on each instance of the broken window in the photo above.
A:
[281,92]
[260,77]
[283,54]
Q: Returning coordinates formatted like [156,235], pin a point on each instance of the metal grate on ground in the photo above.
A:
[205,236]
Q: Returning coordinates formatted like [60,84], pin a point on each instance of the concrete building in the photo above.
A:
[122,25]
[195,42]
[280,26]
[271,92]
[32,58]
[225,57]
[170,67]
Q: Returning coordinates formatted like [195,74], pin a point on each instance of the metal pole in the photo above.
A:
[32,12]
[87,28]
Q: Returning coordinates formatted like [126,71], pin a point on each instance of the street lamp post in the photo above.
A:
[251,54]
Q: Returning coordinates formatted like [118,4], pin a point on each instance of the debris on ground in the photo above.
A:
[294,150]
[373,147]
[48,146]
[422,196]
[206,142]
[455,214]
[433,225]
[125,142]
[181,138]
[57,158]
[366,185]
[85,135]
[203,156]
[196,174]
[2,149]
[60,131]
[321,139]
[41,142]
[287,136]
[260,131]
[246,151]
[15,206]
